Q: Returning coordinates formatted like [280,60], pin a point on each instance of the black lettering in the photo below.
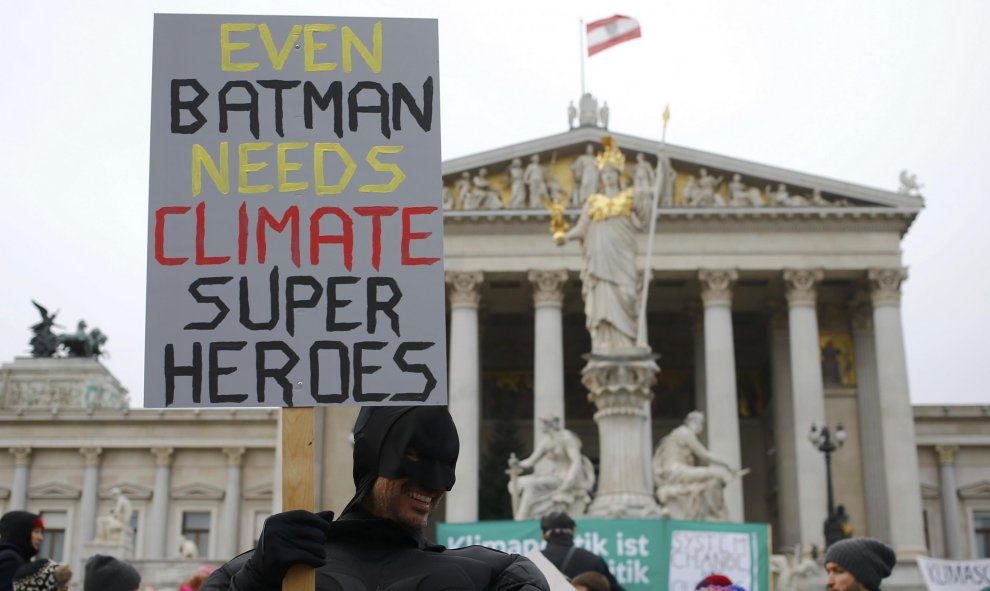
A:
[246,303]
[216,370]
[387,307]
[381,107]
[251,106]
[278,86]
[333,95]
[192,106]
[194,371]
[402,96]
[222,308]
[420,368]
[280,374]
[334,304]
[292,304]
[361,370]
[314,371]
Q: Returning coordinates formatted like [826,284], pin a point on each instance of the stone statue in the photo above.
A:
[555,189]
[588,116]
[603,114]
[909,184]
[796,572]
[643,177]
[482,195]
[708,195]
[535,178]
[447,199]
[44,343]
[187,548]
[517,186]
[571,115]
[686,489]
[607,230]
[585,171]
[741,195]
[115,526]
[781,198]
[562,483]
[463,187]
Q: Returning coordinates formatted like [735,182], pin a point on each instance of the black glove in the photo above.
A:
[287,539]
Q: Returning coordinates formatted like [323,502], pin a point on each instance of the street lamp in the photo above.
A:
[827,443]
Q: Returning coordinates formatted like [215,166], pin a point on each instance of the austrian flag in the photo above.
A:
[610,31]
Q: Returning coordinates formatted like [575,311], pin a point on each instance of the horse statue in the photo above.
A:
[83,344]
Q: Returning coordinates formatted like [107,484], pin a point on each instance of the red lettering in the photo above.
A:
[408,235]
[201,258]
[345,238]
[160,214]
[376,214]
[266,218]
[242,233]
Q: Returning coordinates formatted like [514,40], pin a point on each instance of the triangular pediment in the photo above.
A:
[129,489]
[728,184]
[979,490]
[54,490]
[196,491]
[260,492]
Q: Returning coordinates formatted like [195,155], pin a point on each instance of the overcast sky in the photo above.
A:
[851,90]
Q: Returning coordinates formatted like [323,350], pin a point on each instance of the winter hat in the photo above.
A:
[557,521]
[16,528]
[38,575]
[106,573]
[867,559]
[714,581]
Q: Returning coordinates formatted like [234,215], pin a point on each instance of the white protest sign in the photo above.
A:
[295,231]
[695,554]
[955,575]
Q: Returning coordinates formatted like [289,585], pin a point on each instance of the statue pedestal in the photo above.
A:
[59,382]
[122,548]
[619,384]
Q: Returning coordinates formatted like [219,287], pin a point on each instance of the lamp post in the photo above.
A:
[836,522]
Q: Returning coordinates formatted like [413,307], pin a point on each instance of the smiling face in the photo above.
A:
[839,579]
[402,501]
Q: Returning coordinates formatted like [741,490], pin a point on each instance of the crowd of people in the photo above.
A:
[404,460]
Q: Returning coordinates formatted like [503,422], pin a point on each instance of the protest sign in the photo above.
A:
[641,553]
[955,575]
[295,237]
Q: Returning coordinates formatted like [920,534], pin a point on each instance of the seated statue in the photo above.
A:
[115,527]
[686,489]
[562,483]
[187,548]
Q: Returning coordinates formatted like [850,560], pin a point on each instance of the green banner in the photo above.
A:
[642,553]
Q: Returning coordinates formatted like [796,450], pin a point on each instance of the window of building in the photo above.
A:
[981,527]
[196,529]
[53,544]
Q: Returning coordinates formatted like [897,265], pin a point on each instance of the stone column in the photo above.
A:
[230,540]
[18,489]
[785,437]
[158,524]
[808,406]
[465,391]
[874,476]
[548,358]
[948,497]
[90,499]
[907,533]
[698,332]
[721,404]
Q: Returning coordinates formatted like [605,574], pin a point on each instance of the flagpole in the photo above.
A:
[641,338]
[581,37]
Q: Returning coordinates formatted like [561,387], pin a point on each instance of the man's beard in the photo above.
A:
[385,498]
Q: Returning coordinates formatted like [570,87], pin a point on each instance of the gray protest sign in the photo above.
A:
[295,239]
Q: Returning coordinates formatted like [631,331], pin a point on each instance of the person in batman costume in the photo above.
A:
[404,460]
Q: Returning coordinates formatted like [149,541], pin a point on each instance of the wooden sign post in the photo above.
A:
[298,486]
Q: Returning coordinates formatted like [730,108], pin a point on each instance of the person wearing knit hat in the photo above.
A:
[106,573]
[42,575]
[858,564]
[21,534]
[717,582]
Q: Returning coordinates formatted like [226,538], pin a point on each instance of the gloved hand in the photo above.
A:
[287,539]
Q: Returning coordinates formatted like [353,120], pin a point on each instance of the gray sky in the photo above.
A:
[846,89]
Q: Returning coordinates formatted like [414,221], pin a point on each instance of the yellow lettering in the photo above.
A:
[321,187]
[278,56]
[349,41]
[227,47]
[244,167]
[312,46]
[397,175]
[285,167]
[201,159]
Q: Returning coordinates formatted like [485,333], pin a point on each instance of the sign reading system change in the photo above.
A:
[295,240]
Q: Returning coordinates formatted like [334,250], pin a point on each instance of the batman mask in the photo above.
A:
[419,443]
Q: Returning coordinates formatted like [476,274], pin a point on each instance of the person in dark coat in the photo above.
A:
[558,531]
[21,534]
[404,460]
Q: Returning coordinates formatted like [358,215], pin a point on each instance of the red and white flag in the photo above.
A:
[610,31]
